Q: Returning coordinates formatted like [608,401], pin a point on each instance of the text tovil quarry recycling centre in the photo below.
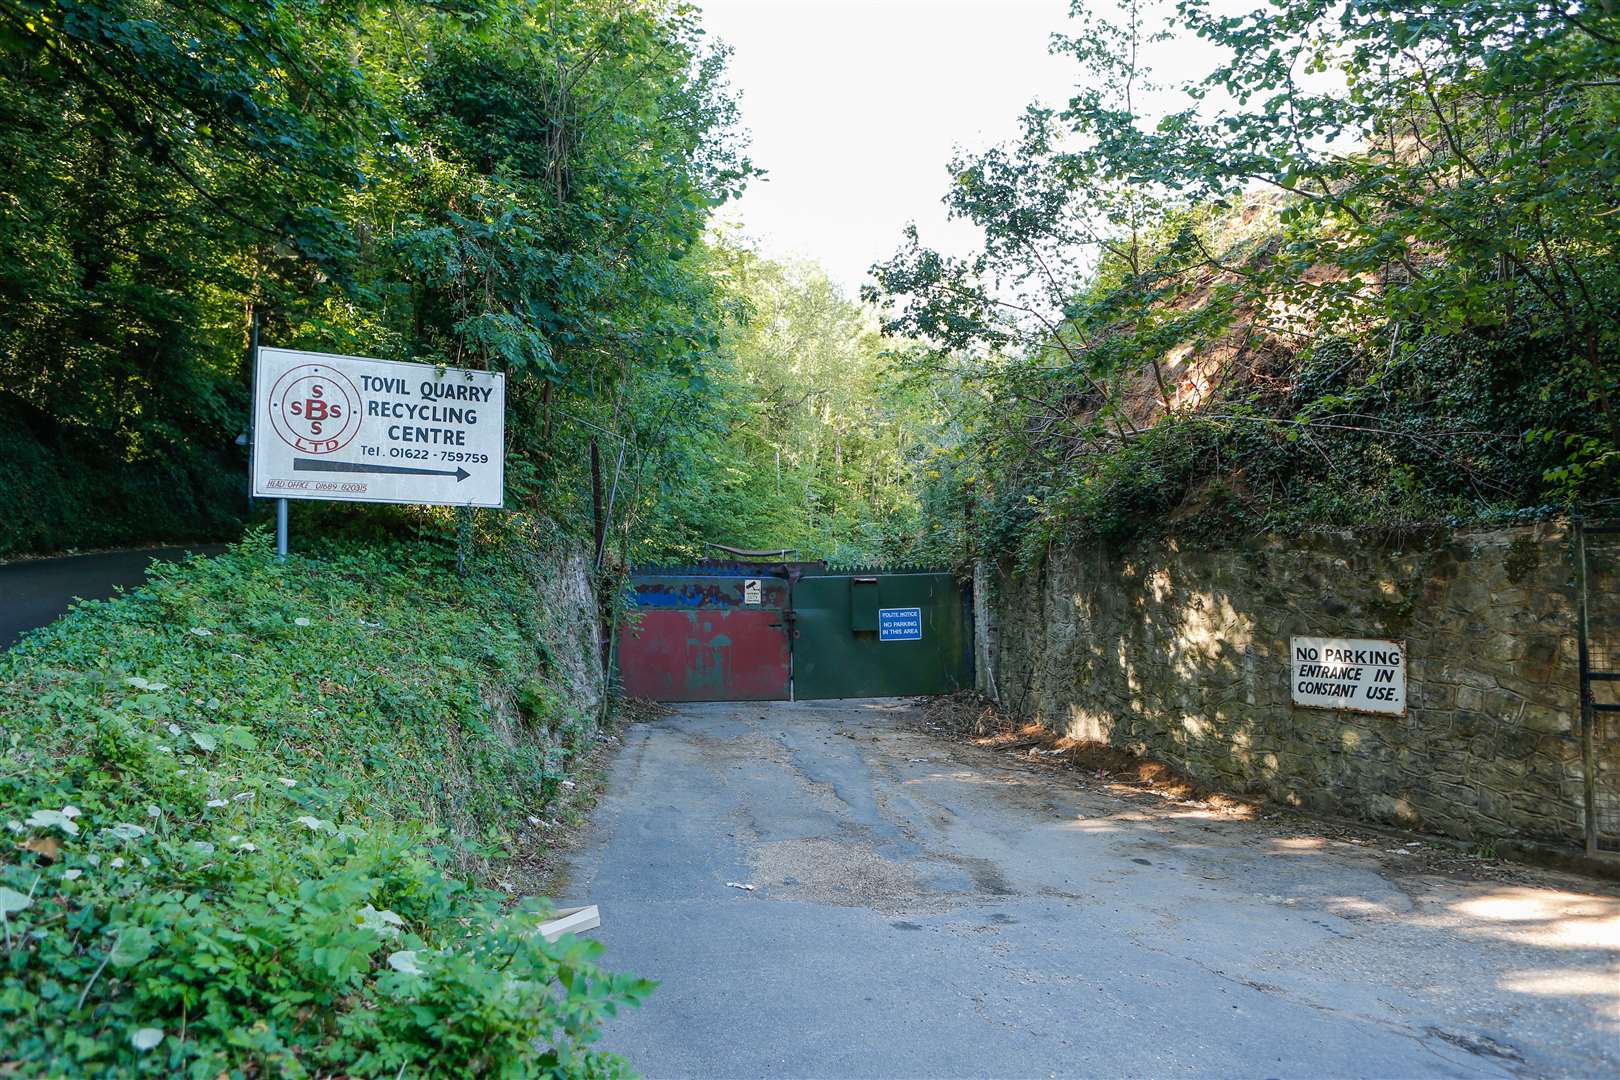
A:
[359,430]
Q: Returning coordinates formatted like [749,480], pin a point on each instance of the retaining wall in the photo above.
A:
[1182,654]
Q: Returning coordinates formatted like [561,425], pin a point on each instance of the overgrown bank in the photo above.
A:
[257,809]
[1358,271]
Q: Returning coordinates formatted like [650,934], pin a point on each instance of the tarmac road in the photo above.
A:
[34,592]
[925,908]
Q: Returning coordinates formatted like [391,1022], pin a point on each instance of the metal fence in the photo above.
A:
[1597,561]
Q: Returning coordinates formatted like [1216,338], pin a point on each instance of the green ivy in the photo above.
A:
[252,808]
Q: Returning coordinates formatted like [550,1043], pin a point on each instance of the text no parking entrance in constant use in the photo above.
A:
[1360,674]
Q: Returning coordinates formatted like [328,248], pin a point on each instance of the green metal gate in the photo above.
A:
[881,633]
[706,632]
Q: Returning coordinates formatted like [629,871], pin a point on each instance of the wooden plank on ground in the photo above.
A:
[572,920]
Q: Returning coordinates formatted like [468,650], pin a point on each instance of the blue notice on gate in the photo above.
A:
[900,624]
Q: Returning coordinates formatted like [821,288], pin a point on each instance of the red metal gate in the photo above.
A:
[708,637]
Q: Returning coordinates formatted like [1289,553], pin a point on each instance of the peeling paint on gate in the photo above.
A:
[685,592]
[710,654]
[708,657]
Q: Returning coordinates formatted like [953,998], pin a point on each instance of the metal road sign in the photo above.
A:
[1358,674]
[900,624]
[358,430]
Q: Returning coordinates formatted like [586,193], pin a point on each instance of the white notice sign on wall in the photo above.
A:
[1363,674]
[358,430]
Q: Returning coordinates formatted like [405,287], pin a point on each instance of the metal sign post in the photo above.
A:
[281,504]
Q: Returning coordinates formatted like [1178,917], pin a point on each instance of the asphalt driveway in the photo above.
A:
[923,908]
[34,592]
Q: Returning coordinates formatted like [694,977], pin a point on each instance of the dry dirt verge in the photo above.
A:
[969,717]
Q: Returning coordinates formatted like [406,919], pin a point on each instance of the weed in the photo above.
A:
[251,808]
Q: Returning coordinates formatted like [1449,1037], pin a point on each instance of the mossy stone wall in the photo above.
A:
[1182,654]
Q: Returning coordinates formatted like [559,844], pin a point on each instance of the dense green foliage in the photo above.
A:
[258,806]
[1364,272]
[1368,276]
[499,184]
[805,441]
[518,185]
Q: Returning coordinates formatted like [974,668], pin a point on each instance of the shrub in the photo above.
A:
[252,806]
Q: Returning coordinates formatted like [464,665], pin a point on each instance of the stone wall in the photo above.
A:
[1182,654]
[559,704]
[573,631]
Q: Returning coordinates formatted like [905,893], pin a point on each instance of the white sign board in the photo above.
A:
[1363,674]
[751,592]
[358,430]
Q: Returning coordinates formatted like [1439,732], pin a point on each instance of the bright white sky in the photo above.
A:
[854,107]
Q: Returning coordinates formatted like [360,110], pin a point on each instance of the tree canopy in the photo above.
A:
[506,185]
[1363,273]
